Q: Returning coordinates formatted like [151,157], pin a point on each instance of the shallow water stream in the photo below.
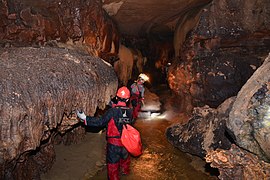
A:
[160,160]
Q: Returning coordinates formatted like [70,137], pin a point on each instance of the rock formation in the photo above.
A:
[150,17]
[129,65]
[80,24]
[229,42]
[249,119]
[204,131]
[242,120]
[40,90]
[214,46]
[237,163]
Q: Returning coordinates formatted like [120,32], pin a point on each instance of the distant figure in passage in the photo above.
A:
[117,157]
[137,94]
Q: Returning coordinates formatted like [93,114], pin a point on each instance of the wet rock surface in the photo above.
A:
[203,132]
[237,163]
[241,120]
[220,53]
[149,17]
[249,118]
[83,24]
[40,89]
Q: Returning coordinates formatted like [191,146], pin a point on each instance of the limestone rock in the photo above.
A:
[228,43]
[40,90]
[237,163]
[249,118]
[204,131]
[149,16]
[80,24]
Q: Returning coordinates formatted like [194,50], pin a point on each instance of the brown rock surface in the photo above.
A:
[82,24]
[250,115]
[236,163]
[40,89]
[204,131]
[229,42]
[149,17]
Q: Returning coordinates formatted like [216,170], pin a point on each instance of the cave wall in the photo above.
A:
[80,24]
[83,26]
[129,65]
[150,25]
[249,119]
[205,130]
[217,48]
[237,163]
[40,90]
[138,18]
[228,44]
[234,137]
[188,21]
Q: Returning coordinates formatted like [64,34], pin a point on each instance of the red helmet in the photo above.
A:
[123,92]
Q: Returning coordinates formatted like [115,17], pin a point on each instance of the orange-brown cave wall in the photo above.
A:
[221,52]
[83,24]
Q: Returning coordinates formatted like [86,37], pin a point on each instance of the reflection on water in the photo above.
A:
[160,160]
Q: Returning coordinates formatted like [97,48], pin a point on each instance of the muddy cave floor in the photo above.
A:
[160,160]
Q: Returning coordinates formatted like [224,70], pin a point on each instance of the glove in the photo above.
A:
[81,116]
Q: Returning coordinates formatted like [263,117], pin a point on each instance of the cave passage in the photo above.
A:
[160,160]
[208,62]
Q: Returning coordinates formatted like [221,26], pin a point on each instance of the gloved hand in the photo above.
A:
[81,116]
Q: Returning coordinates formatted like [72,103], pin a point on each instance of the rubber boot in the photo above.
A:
[113,171]
[124,165]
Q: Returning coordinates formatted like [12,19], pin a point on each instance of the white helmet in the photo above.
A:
[143,77]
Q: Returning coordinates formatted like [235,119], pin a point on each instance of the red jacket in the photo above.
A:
[113,120]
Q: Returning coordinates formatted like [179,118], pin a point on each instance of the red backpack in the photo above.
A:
[131,139]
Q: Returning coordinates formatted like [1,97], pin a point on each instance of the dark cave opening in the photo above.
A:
[212,171]
[230,136]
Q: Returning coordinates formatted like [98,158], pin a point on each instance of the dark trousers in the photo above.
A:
[118,159]
[136,104]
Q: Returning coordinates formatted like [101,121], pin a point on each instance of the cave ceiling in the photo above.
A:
[158,17]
